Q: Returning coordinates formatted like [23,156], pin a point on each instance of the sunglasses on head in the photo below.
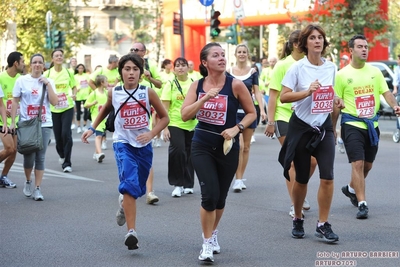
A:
[135,50]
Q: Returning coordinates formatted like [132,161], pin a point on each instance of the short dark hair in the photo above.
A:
[355,37]
[12,57]
[307,32]
[36,55]
[112,59]
[137,60]
[165,63]
[181,60]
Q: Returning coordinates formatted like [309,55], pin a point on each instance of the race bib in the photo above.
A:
[214,110]
[134,116]
[365,106]
[9,104]
[62,101]
[322,100]
[84,84]
[33,110]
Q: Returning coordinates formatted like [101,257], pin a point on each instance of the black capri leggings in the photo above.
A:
[215,172]
[78,104]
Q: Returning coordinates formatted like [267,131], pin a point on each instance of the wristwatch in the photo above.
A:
[241,127]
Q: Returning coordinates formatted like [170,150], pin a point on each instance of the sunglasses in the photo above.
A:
[135,50]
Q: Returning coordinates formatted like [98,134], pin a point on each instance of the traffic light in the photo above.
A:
[58,39]
[214,24]
[47,41]
[232,35]
[177,23]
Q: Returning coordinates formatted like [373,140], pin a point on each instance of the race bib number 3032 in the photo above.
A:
[214,110]
[322,100]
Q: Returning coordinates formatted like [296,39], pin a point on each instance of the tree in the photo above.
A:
[341,21]
[31,24]
[394,11]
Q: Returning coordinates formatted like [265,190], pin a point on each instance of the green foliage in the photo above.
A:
[394,11]
[30,17]
[351,18]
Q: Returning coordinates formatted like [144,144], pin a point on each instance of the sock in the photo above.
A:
[207,240]
[362,202]
[131,230]
[294,219]
[351,190]
[320,224]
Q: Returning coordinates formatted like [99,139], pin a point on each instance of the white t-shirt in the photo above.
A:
[299,77]
[29,90]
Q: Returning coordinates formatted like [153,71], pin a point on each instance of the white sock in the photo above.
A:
[320,223]
[362,202]
[351,190]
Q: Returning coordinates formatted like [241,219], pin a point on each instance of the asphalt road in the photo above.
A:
[75,224]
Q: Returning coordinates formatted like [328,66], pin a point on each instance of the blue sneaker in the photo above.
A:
[5,182]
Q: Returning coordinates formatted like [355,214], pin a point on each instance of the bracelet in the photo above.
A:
[270,123]
[92,129]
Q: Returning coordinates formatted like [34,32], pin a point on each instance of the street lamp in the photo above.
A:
[49,19]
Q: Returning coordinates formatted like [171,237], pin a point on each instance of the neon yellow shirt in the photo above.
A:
[171,93]
[64,82]
[283,112]
[112,76]
[265,77]
[195,75]
[166,77]
[7,84]
[82,84]
[101,99]
[354,85]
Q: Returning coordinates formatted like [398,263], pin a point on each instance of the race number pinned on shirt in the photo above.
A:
[365,106]
[62,101]
[83,84]
[322,100]
[214,110]
[134,116]
[33,110]
[9,104]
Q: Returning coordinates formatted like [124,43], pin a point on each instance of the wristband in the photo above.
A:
[270,123]
[92,129]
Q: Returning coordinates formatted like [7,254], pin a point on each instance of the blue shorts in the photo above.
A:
[133,168]
[239,118]
[99,133]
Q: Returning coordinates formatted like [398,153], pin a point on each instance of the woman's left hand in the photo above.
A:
[43,80]
[263,116]
[230,133]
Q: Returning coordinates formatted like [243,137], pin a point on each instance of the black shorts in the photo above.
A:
[357,143]
[281,128]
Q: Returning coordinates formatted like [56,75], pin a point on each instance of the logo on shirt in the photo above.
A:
[35,91]
[349,81]
[142,95]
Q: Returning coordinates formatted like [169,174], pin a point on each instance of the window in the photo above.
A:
[112,22]
[86,22]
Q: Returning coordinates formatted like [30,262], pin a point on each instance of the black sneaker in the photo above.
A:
[325,232]
[362,211]
[353,197]
[298,229]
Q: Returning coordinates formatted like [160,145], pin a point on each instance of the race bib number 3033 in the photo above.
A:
[214,110]
[322,100]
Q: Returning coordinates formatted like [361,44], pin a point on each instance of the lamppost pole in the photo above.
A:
[182,30]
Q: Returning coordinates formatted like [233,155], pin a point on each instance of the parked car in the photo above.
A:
[387,69]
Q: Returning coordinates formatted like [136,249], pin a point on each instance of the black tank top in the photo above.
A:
[210,139]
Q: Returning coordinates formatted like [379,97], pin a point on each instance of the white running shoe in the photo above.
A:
[188,190]
[214,241]
[253,139]
[61,161]
[131,240]
[206,253]
[306,204]
[151,198]
[237,186]
[78,130]
[177,191]
[37,195]
[73,126]
[100,157]
[67,169]
[27,189]
[104,145]
[340,145]
[291,212]
[120,216]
